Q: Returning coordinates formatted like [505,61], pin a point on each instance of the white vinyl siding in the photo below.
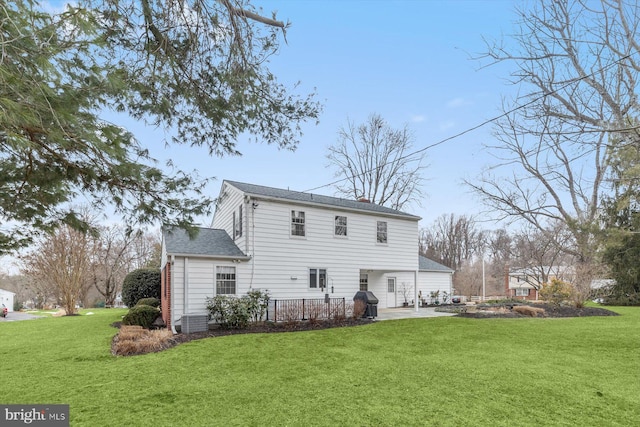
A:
[281,264]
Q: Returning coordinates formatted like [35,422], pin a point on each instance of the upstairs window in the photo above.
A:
[382,232]
[297,223]
[237,225]
[340,225]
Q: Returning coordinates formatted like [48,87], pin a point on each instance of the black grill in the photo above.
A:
[370,300]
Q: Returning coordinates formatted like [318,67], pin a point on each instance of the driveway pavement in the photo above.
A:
[18,315]
[409,312]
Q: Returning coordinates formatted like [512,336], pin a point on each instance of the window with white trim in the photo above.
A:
[297,223]
[340,228]
[381,232]
[317,278]
[238,224]
[225,280]
[520,292]
[364,282]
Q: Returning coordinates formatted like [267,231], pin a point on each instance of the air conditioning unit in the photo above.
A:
[191,323]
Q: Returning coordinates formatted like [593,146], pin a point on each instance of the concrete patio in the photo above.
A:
[408,313]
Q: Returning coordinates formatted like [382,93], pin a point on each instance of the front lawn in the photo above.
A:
[434,371]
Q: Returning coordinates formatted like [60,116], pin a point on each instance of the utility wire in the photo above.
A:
[484,123]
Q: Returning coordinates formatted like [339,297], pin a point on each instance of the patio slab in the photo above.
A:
[409,312]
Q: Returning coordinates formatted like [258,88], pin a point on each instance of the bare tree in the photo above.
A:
[62,263]
[580,61]
[376,163]
[118,251]
[451,240]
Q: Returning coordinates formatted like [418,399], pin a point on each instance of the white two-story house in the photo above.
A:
[295,245]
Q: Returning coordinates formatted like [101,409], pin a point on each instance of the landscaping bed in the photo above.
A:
[483,311]
[156,344]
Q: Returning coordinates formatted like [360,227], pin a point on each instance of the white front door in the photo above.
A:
[391,292]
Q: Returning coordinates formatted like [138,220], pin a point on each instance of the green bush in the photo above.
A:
[229,312]
[236,313]
[139,284]
[556,292]
[141,315]
[153,302]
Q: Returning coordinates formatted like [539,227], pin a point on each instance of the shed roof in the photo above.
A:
[426,264]
[310,198]
[209,242]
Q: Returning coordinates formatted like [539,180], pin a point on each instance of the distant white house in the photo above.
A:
[7,299]
[295,245]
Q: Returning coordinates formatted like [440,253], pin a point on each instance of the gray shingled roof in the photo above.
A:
[208,242]
[297,196]
[426,264]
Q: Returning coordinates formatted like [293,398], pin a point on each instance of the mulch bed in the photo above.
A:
[267,327]
[273,328]
[550,311]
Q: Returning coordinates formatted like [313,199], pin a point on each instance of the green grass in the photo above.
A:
[439,371]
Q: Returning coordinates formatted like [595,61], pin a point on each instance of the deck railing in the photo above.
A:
[292,310]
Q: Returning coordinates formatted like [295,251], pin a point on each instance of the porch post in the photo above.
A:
[415,290]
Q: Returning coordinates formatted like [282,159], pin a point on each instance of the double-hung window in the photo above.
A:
[225,280]
[340,225]
[238,224]
[521,292]
[297,223]
[381,234]
[317,278]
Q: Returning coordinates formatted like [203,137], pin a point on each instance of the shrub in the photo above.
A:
[236,313]
[359,308]
[141,315]
[229,312]
[142,283]
[153,302]
[136,340]
[556,292]
[257,304]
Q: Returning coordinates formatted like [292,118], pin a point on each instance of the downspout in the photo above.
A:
[185,302]
[171,296]
[415,290]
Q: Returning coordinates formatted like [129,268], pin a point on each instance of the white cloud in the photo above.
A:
[458,102]
[446,125]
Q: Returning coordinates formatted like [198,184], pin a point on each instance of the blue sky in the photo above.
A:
[408,61]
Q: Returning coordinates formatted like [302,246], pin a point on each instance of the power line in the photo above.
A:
[484,123]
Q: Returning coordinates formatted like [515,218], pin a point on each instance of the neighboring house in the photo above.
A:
[7,299]
[525,283]
[295,245]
